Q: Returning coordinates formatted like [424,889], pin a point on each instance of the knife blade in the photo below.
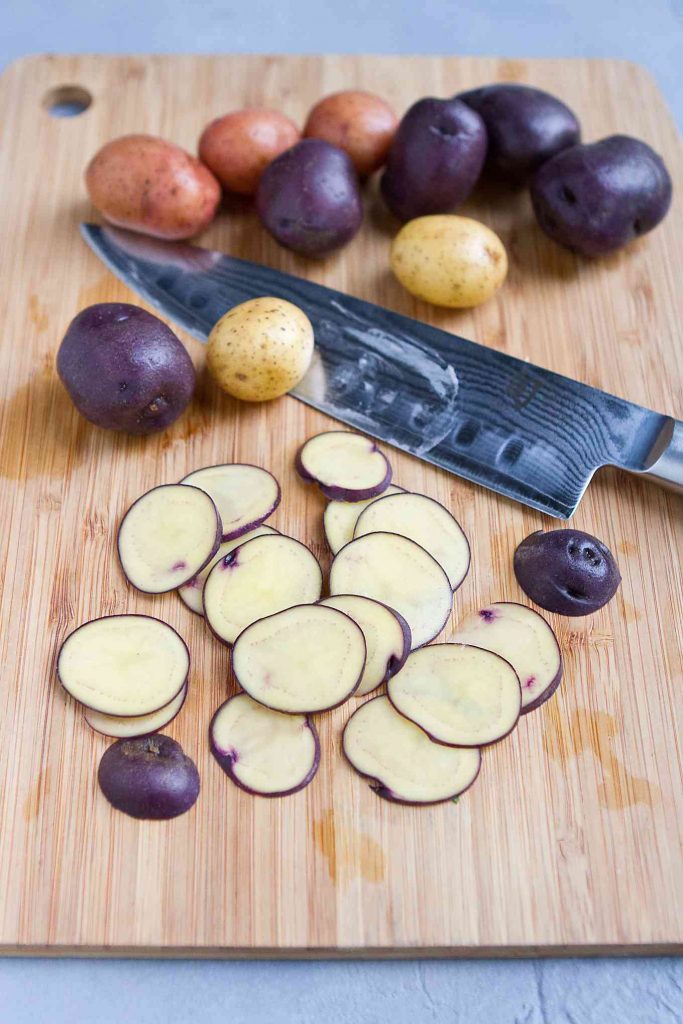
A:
[523,431]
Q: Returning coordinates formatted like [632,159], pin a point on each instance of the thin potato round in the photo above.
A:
[139,725]
[387,637]
[192,592]
[340,518]
[346,466]
[245,495]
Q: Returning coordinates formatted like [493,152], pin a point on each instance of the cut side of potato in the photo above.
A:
[387,637]
[304,659]
[191,593]
[340,518]
[258,578]
[522,637]
[140,725]
[425,521]
[460,695]
[265,752]
[399,573]
[244,495]
[404,764]
[167,536]
[346,466]
[124,665]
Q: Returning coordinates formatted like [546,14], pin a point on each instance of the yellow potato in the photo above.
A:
[449,260]
[260,349]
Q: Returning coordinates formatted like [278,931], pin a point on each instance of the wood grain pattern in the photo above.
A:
[571,839]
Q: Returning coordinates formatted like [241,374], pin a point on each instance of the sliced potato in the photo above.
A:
[346,466]
[140,725]
[244,495]
[192,592]
[387,637]
[340,518]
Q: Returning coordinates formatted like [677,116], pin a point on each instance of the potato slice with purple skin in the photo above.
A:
[340,518]
[124,665]
[522,637]
[244,495]
[404,764]
[167,536]
[301,660]
[256,579]
[425,521]
[460,695]
[191,593]
[264,752]
[399,573]
[387,637]
[140,725]
[345,466]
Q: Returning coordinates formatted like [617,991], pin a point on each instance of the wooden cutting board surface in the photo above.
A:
[571,838]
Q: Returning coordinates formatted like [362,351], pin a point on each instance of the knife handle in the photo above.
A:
[667,471]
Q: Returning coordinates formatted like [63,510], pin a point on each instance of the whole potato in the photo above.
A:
[595,198]
[239,146]
[260,349]
[525,126]
[358,122]
[309,199]
[448,260]
[435,159]
[125,369]
[146,184]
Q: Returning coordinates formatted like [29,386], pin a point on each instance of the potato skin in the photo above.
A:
[260,349]
[525,127]
[124,369]
[358,122]
[435,159]
[238,147]
[448,260]
[596,198]
[150,185]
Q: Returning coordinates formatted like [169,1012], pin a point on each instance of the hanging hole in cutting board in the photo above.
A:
[67,101]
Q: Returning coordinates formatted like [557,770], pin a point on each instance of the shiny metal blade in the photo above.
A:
[523,431]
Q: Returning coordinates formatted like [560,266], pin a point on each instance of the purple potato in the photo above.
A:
[124,369]
[566,571]
[435,159]
[309,198]
[149,777]
[525,127]
[596,198]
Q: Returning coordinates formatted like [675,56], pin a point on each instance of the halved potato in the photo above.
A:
[340,518]
[300,660]
[387,637]
[346,466]
[404,764]
[264,752]
[244,495]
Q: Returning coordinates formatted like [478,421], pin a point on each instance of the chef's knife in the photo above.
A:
[526,432]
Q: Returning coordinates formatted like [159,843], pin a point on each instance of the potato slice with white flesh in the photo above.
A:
[124,665]
[258,578]
[265,752]
[524,638]
[167,536]
[303,659]
[425,521]
[404,764]
[387,637]
[345,466]
[140,725]
[399,573]
[340,518]
[460,695]
[191,593]
[245,495]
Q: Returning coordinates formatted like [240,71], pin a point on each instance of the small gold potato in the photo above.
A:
[448,260]
[260,349]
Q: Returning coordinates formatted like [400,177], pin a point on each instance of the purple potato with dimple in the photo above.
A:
[566,571]
[124,369]
[309,198]
[435,159]
[594,199]
[525,126]
[149,777]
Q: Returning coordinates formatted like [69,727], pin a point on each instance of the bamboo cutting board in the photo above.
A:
[570,840]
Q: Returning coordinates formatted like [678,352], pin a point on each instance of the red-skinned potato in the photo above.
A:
[358,122]
[147,184]
[239,146]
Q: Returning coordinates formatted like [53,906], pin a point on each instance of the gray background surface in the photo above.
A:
[603,991]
